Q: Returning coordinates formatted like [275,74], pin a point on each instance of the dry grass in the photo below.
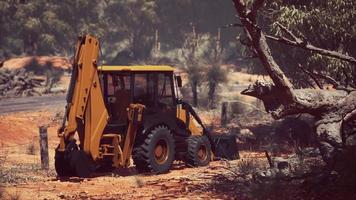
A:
[2,193]
[2,173]
[139,182]
[249,166]
[31,148]
[2,163]
[245,78]
[15,196]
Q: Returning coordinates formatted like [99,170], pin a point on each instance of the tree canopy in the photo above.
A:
[128,30]
[325,24]
[125,28]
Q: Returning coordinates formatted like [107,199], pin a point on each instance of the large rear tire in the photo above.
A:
[199,151]
[155,153]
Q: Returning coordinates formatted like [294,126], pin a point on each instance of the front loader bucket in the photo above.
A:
[224,147]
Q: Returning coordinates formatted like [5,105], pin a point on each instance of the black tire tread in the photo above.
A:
[193,144]
[142,152]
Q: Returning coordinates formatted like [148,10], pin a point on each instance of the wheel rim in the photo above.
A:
[202,153]
[161,151]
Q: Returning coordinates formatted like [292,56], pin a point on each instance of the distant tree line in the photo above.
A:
[126,28]
[189,33]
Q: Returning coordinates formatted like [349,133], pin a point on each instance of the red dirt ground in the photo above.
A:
[19,130]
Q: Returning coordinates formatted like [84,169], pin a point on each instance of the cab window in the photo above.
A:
[165,95]
[144,89]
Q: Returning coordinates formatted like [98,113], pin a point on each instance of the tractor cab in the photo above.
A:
[155,87]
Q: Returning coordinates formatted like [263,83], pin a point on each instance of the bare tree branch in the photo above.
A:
[288,32]
[310,84]
[297,42]
[259,44]
[252,13]
[327,78]
[346,74]
[311,75]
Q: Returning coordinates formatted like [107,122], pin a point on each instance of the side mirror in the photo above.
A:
[179,81]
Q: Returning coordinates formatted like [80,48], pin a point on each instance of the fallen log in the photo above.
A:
[329,107]
[14,83]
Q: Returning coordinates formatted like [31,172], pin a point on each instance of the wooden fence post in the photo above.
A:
[223,114]
[44,147]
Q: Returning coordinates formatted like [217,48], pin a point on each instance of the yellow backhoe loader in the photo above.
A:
[115,113]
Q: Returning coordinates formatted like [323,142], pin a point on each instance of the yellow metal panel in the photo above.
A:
[87,105]
[72,125]
[194,129]
[91,102]
[88,71]
[137,68]
[98,117]
[134,115]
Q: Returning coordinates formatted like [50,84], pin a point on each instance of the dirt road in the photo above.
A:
[31,103]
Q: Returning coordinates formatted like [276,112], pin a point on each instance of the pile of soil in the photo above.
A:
[42,61]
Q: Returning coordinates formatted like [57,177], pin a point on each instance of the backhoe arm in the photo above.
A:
[85,113]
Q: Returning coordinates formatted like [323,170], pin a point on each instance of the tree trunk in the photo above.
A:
[211,93]
[194,86]
[280,99]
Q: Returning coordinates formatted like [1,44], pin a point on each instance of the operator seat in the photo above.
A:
[120,106]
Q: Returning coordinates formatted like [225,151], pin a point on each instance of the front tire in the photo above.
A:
[156,151]
[199,151]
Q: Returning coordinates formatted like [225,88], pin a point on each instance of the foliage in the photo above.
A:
[126,28]
[326,24]
[201,56]
[191,58]
[215,73]
[26,27]
[132,23]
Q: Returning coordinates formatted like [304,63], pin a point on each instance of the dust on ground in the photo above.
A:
[21,176]
[26,180]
